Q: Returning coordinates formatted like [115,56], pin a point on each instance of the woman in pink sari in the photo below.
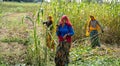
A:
[64,32]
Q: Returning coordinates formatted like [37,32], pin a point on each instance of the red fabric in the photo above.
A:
[68,39]
[67,20]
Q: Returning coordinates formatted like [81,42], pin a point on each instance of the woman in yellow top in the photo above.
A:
[49,24]
[93,29]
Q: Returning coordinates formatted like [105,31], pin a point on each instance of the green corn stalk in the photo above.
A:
[36,44]
[38,15]
[22,20]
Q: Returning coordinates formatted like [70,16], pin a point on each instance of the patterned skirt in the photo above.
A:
[50,42]
[94,39]
[62,54]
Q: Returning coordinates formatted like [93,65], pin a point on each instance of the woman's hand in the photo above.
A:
[57,27]
[64,37]
[102,31]
[56,30]
[88,30]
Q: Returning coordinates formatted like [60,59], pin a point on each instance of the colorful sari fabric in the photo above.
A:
[50,43]
[62,54]
[94,39]
[63,31]
[93,28]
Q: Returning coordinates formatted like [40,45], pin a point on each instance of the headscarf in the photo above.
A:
[92,17]
[50,17]
[67,20]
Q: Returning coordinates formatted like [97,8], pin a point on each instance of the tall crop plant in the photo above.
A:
[37,53]
[78,13]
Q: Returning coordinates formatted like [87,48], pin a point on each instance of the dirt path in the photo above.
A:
[12,52]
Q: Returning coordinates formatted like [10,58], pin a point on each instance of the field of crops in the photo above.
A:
[23,37]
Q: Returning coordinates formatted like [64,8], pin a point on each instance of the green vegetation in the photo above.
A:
[21,22]
[84,56]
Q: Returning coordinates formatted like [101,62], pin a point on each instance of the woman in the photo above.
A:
[64,32]
[93,29]
[48,23]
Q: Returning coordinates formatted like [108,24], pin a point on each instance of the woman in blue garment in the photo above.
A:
[64,32]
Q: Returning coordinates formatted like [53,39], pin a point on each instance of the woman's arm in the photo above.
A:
[100,26]
[57,30]
[71,31]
